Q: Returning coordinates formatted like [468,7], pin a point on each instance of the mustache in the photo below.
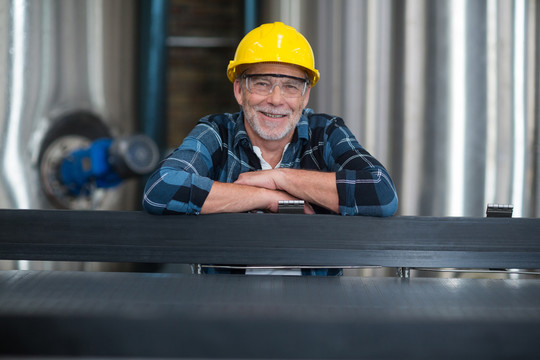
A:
[272,110]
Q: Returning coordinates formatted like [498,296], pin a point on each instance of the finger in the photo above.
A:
[308,209]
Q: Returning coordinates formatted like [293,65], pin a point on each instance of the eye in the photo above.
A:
[292,85]
[261,83]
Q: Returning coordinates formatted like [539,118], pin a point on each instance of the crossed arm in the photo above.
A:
[261,190]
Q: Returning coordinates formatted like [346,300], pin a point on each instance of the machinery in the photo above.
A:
[68,83]
[69,129]
[78,161]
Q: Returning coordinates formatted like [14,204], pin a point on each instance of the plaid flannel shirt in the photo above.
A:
[219,149]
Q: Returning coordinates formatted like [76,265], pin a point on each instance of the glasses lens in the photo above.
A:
[264,85]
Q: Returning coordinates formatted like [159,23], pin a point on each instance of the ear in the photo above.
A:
[238,92]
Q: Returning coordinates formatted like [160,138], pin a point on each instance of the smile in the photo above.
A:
[274,116]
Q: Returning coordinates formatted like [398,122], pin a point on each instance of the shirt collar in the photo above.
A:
[303,126]
[240,133]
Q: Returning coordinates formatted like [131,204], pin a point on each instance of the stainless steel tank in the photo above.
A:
[66,78]
[445,93]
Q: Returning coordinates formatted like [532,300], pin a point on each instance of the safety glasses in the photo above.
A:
[264,84]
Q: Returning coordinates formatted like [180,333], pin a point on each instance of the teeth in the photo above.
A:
[275,116]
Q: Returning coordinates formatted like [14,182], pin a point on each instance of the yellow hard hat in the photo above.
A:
[275,42]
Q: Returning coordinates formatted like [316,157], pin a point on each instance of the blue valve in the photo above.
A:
[106,163]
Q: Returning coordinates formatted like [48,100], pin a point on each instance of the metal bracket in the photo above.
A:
[404,272]
[291,206]
[498,210]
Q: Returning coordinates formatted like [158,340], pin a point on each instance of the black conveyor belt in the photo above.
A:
[244,317]
[270,239]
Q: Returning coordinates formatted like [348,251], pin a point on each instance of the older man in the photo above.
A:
[274,148]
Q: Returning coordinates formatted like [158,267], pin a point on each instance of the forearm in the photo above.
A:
[315,187]
[231,198]
[348,192]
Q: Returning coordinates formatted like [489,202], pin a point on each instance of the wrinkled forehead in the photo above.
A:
[275,68]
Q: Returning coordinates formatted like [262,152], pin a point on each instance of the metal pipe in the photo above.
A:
[152,69]
[251,9]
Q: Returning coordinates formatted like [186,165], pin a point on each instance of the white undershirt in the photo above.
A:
[266,166]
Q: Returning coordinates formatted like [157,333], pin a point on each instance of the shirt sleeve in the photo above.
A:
[363,184]
[182,182]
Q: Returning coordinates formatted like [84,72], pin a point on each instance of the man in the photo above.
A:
[274,148]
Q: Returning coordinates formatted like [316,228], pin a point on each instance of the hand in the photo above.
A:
[264,179]
[315,187]
[308,209]
[281,195]
[268,179]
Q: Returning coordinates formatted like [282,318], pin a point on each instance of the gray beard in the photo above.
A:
[266,136]
[259,130]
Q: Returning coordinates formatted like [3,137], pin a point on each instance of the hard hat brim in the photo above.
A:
[234,67]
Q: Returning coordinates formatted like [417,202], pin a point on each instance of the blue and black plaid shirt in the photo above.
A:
[219,149]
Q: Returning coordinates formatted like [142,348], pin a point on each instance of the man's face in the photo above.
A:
[274,116]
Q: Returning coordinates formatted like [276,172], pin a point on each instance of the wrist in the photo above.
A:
[271,199]
[280,178]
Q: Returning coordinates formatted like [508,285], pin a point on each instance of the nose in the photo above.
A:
[275,96]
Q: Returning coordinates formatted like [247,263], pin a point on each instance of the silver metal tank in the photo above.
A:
[66,78]
[445,93]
